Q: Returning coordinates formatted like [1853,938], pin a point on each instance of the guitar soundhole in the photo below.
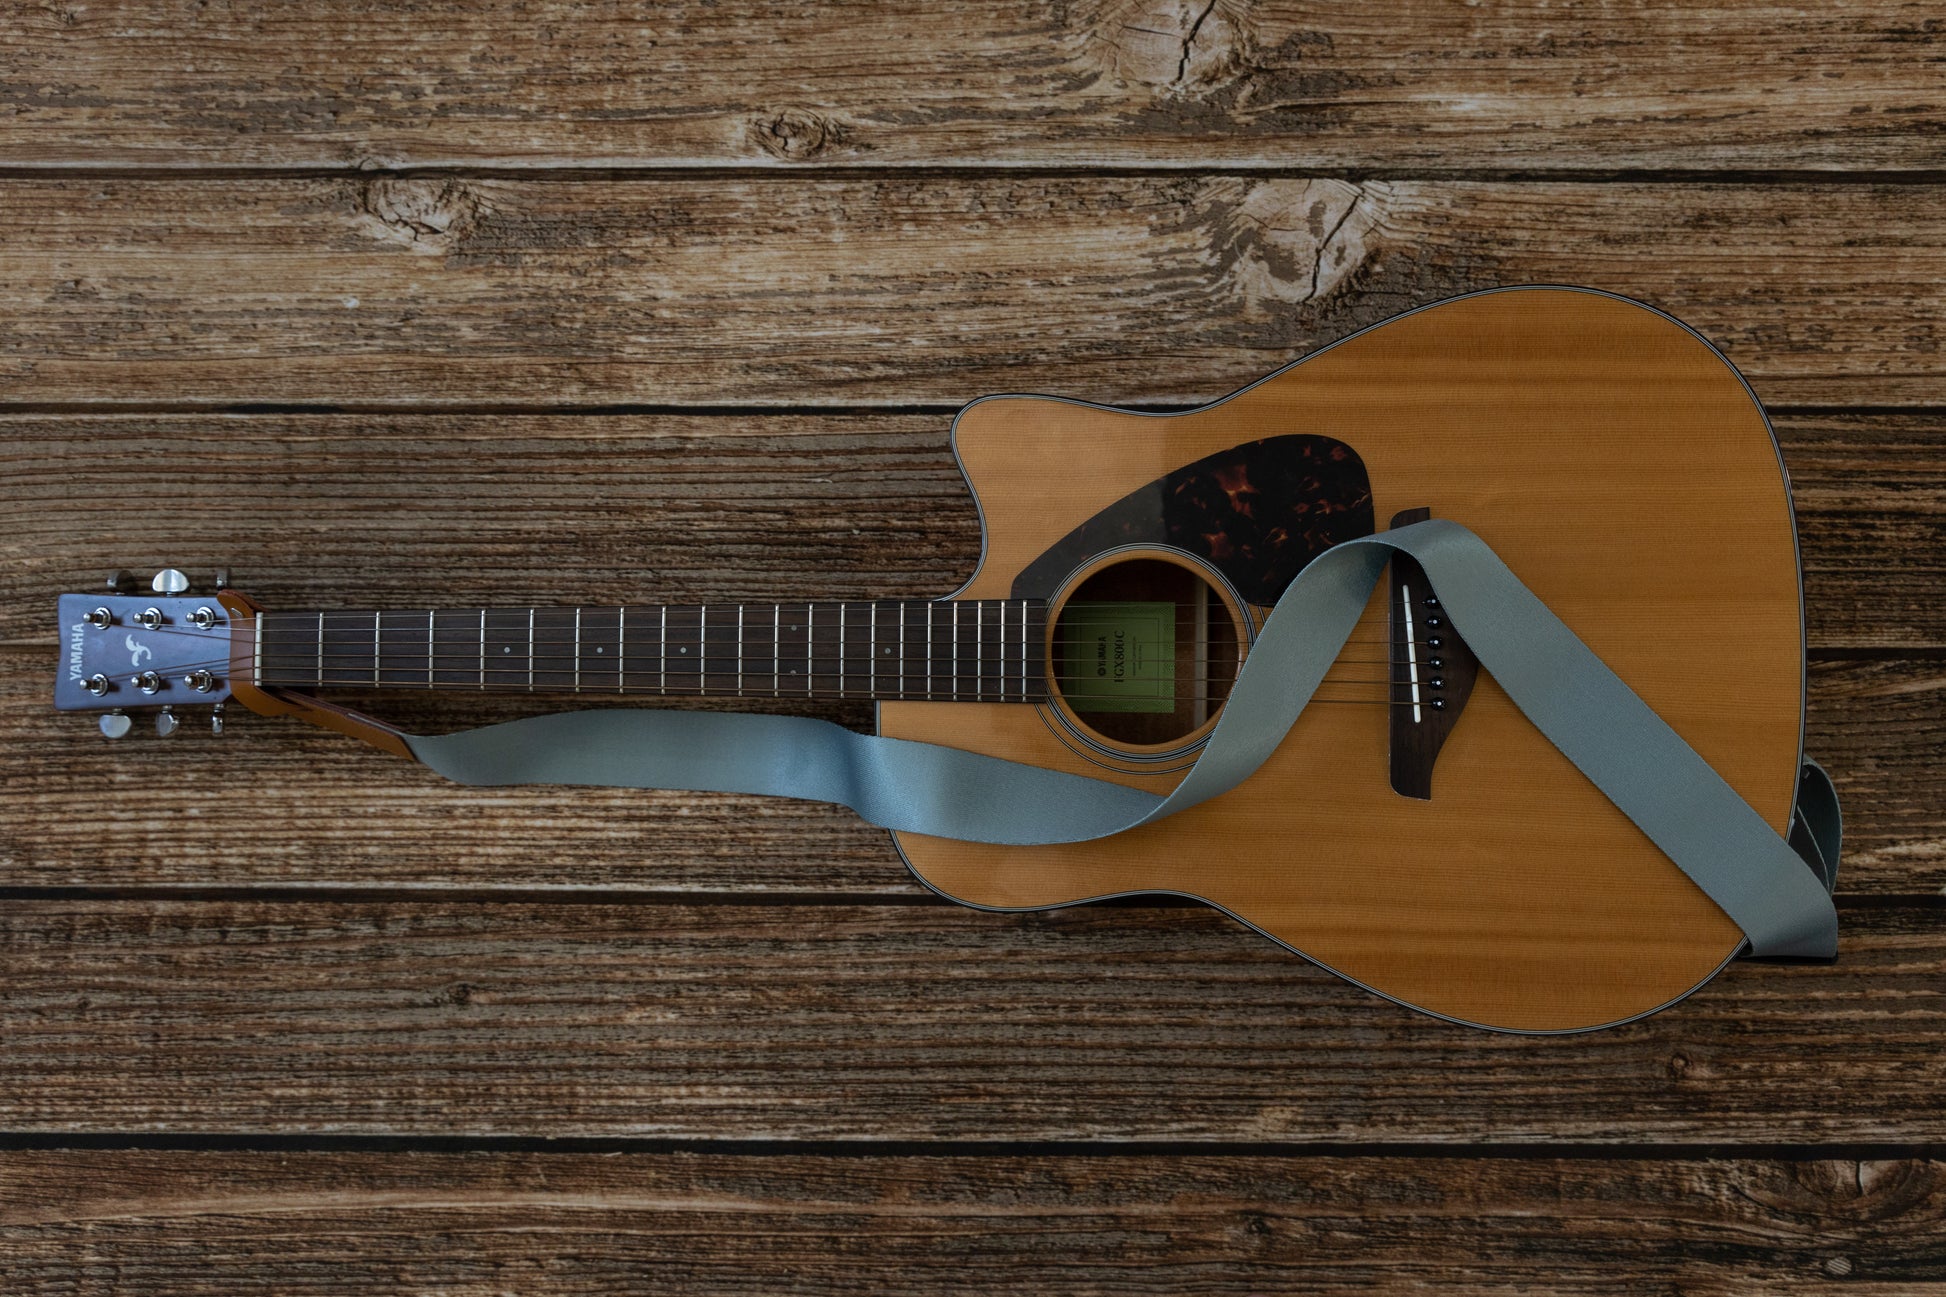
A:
[1144,652]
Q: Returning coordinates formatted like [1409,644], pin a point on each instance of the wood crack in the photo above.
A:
[1189,41]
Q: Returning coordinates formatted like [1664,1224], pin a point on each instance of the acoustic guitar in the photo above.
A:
[1413,833]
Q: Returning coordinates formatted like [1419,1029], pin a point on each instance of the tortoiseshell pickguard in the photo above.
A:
[1258,513]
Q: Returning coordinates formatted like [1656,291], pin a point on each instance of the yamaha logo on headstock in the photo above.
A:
[156,651]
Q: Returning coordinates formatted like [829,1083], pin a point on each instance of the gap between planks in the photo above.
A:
[862,1149]
[1772,176]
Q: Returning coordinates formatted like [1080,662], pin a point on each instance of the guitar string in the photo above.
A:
[301,668]
[571,650]
[298,673]
[307,624]
[358,664]
[702,676]
[688,613]
[934,694]
[576,654]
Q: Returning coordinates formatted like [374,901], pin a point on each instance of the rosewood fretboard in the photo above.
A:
[967,651]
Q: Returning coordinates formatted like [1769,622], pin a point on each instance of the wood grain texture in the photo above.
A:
[897,1022]
[1184,83]
[338,510]
[80,812]
[430,291]
[174,1224]
[311,510]
[898,280]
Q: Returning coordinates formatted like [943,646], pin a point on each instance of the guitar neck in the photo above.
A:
[948,650]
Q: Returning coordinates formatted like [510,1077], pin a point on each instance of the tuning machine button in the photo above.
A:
[166,723]
[116,725]
[122,582]
[169,581]
[216,719]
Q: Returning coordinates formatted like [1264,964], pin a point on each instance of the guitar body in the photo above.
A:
[1625,473]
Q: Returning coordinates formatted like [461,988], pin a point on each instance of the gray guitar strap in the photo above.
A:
[1758,878]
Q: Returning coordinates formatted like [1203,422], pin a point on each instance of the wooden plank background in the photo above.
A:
[537,301]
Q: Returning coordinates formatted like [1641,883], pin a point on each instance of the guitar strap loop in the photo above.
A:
[1757,877]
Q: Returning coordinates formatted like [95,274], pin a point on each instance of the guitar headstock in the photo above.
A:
[123,651]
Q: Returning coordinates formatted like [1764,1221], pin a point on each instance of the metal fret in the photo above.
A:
[810,633]
[621,649]
[1023,650]
[901,608]
[1001,608]
[979,649]
[320,649]
[702,649]
[777,649]
[841,650]
[956,650]
[662,663]
[739,650]
[930,659]
[577,650]
[871,655]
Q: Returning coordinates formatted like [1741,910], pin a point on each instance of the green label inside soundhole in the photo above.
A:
[1118,657]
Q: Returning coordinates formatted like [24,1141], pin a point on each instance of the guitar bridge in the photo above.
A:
[1432,672]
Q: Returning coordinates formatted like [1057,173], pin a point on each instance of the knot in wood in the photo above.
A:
[796,134]
[1178,47]
[1283,243]
[428,213]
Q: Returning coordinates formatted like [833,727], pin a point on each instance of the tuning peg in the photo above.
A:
[122,582]
[165,723]
[169,581]
[116,725]
[216,719]
[220,579]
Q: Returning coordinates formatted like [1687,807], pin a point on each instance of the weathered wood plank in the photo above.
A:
[1118,82]
[169,1224]
[428,291]
[1875,727]
[277,803]
[897,1022]
[344,510]
[401,510]
[1871,518]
